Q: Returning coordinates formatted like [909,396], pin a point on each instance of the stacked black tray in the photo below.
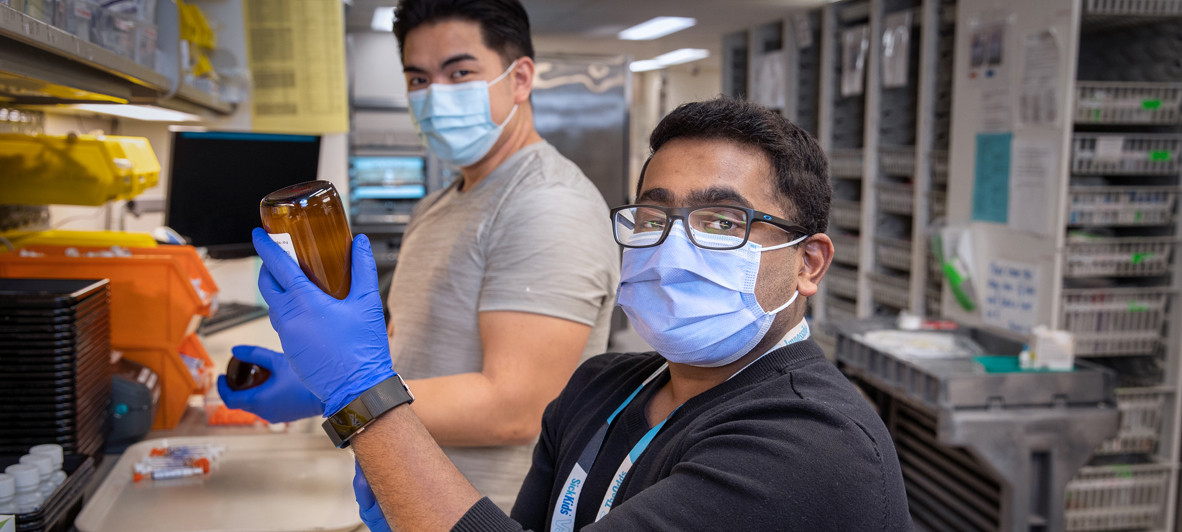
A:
[55,364]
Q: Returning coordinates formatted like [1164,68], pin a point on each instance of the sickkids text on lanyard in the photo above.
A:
[564,510]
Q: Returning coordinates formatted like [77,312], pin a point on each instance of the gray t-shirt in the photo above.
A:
[533,236]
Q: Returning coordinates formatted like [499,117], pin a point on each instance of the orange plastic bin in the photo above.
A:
[158,296]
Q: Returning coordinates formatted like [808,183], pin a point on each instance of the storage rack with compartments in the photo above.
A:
[886,135]
[903,159]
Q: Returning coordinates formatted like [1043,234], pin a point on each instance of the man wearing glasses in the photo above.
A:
[735,422]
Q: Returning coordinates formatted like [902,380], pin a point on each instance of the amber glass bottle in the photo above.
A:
[307,219]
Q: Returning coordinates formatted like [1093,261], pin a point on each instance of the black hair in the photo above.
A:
[504,25]
[800,169]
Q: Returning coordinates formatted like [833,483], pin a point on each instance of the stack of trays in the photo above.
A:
[55,364]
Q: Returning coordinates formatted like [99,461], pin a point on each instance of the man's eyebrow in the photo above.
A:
[718,195]
[446,62]
[656,195]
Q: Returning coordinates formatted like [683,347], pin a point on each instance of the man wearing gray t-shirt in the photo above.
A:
[506,279]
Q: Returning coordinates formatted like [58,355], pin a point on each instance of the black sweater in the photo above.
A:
[786,444]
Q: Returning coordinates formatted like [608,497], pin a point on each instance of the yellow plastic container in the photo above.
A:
[99,239]
[74,170]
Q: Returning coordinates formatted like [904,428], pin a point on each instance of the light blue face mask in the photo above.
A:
[455,121]
[696,306]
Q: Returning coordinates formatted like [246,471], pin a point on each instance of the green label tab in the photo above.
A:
[1136,306]
[1138,258]
[1159,155]
[1151,104]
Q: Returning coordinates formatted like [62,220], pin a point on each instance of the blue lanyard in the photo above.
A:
[563,519]
[564,510]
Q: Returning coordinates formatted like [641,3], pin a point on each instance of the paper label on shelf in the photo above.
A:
[991,179]
[803,30]
[1033,168]
[284,241]
[1039,100]
[769,80]
[7,523]
[1151,104]
[855,43]
[896,42]
[1110,148]
[1159,155]
[1011,295]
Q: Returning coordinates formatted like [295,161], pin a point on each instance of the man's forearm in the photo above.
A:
[466,410]
[416,485]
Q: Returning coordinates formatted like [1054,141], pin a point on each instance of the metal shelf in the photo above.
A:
[41,63]
[70,59]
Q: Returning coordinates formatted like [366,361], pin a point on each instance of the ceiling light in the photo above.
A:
[684,55]
[146,113]
[656,27]
[644,65]
[383,19]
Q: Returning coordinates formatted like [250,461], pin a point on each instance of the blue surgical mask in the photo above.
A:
[455,121]
[696,306]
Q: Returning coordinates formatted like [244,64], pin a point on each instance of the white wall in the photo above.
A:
[376,68]
[655,93]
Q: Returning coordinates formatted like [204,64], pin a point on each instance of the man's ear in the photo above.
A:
[815,255]
[523,79]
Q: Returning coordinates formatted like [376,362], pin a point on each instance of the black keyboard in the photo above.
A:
[230,314]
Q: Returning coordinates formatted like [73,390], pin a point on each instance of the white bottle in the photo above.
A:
[44,466]
[54,452]
[7,495]
[27,479]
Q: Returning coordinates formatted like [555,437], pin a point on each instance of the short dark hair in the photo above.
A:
[504,25]
[800,167]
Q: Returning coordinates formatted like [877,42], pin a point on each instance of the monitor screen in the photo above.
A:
[216,180]
[388,176]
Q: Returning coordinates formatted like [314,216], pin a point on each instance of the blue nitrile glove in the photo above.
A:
[371,513]
[282,397]
[338,348]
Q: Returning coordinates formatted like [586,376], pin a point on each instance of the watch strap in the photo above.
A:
[371,404]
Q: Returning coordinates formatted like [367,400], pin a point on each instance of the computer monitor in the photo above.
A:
[399,177]
[217,178]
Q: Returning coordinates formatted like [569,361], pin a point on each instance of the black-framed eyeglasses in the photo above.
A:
[717,227]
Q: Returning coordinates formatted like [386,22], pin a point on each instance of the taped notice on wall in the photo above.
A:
[296,52]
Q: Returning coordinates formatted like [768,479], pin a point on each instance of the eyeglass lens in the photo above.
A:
[710,227]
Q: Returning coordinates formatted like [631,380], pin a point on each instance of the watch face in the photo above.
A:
[348,420]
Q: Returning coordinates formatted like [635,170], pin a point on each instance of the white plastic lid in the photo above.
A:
[7,486]
[26,475]
[51,450]
[44,464]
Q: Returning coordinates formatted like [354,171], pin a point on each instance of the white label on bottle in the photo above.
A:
[284,241]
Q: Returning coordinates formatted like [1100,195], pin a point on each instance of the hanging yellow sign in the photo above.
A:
[296,53]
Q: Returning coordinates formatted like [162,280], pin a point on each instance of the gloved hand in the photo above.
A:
[338,348]
[371,513]
[282,397]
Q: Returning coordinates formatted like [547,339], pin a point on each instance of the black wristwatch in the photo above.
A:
[353,418]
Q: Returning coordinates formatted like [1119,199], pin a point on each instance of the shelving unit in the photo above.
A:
[902,158]
[1120,269]
[41,63]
